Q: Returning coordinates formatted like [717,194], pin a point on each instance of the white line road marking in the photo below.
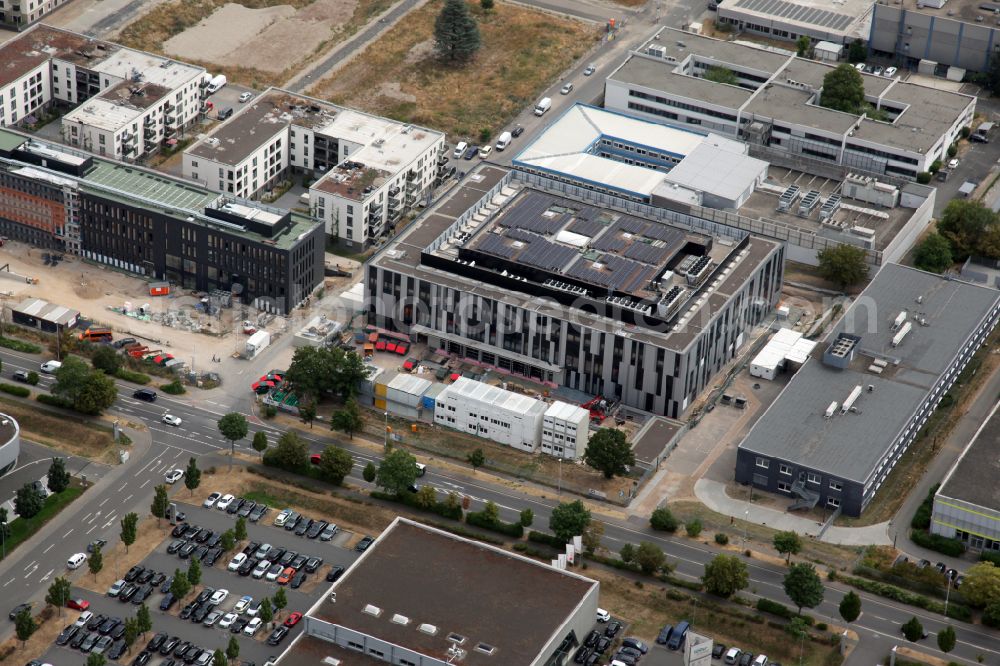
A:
[8,582]
[102,502]
[46,576]
[87,516]
[179,453]
[33,562]
[96,516]
[128,498]
[68,533]
[146,466]
[92,529]
[28,575]
[144,484]
[51,545]
[123,486]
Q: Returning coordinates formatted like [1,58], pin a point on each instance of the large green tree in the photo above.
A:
[609,453]
[233,649]
[58,594]
[106,359]
[963,222]
[233,427]
[649,557]
[58,476]
[291,453]
[96,561]
[843,89]
[477,458]
[131,632]
[803,586]
[259,442]
[335,464]
[89,391]
[844,265]
[27,502]
[96,660]
[180,585]
[662,519]
[314,372]
[933,254]
[725,575]
[981,586]
[194,572]
[857,52]
[161,502]
[913,630]
[25,625]
[397,471]
[219,658]
[192,475]
[569,519]
[456,35]
[718,74]
[787,543]
[348,419]
[144,619]
[130,526]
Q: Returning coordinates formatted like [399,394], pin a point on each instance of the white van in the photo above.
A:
[543,105]
[503,140]
[50,367]
[460,150]
[216,84]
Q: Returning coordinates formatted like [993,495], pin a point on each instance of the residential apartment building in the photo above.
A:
[146,223]
[19,14]
[850,413]
[775,105]
[565,430]
[368,170]
[128,102]
[642,307]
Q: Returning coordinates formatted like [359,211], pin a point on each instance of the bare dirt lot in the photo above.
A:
[522,51]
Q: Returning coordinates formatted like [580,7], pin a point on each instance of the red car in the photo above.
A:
[293,619]
[315,458]
[78,604]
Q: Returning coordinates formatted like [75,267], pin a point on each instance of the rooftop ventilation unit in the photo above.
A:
[788,197]
[830,206]
[369,609]
[831,410]
[699,270]
[656,50]
[898,338]
[428,629]
[900,318]
[400,619]
[851,399]
[671,301]
[809,201]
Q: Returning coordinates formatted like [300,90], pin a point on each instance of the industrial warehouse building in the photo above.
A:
[967,505]
[643,307]
[844,420]
[44,316]
[152,225]
[774,106]
[417,597]
[369,171]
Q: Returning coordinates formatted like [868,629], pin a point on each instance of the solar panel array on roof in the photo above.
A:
[648,253]
[632,225]
[663,232]
[587,227]
[614,272]
[612,241]
[496,245]
[797,12]
[533,214]
[547,256]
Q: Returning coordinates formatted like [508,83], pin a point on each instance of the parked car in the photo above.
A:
[517,131]
[718,649]
[76,560]
[746,658]
[218,596]
[227,620]
[328,532]
[261,569]
[272,573]
[235,505]
[16,610]
[95,544]
[66,635]
[471,152]
[238,559]
[247,508]
[167,602]
[283,517]
[263,551]
[277,635]
[78,604]
[186,550]
[316,528]
[364,544]
[224,502]
[635,643]
[336,571]
[285,576]
[890,72]
[603,615]
[253,626]
[175,546]
[298,579]
[313,563]
[258,512]
[613,628]
[211,500]
[247,567]
[21,376]
[246,97]
[243,604]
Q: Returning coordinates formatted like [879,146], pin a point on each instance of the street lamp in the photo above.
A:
[559,487]
[3,538]
[947,595]
[746,516]
[385,444]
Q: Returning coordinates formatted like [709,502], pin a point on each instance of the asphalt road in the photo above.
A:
[26,573]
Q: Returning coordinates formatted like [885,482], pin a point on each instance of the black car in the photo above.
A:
[134,573]
[169,645]
[303,526]
[200,553]
[313,563]
[156,642]
[146,394]
[118,631]
[175,545]
[247,508]
[259,511]
[116,650]
[635,644]
[142,594]
[335,572]
[127,592]
[328,532]
[204,535]
[16,610]
[95,544]
[191,531]
[517,131]
[186,550]
[718,650]
[77,641]
[165,587]
[108,625]
[146,576]
[247,567]
[158,579]
[178,530]
[276,554]
[746,658]
[293,522]
[613,628]
[664,635]
[286,559]
[250,548]
[235,505]
[188,610]
[317,527]
[212,556]
[88,643]
[603,643]
[96,622]
[363,544]
[141,659]
[298,562]
[277,635]
[214,541]
[199,615]
[297,580]
[582,654]
[238,625]
[204,595]
[124,342]
[66,635]
[181,648]
[168,601]
[471,152]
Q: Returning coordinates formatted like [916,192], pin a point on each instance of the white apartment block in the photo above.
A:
[129,101]
[17,14]
[369,170]
[565,430]
[775,105]
[491,412]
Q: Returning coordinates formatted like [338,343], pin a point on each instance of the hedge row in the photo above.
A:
[132,376]
[922,517]
[54,400]
[480,519]
[615,562]
[547,539]
[20,345]
[173,388]
[781,610]
[14,389]
[956,611]
[952,547]
[442,509]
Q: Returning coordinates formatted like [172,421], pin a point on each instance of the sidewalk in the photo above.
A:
[713,495]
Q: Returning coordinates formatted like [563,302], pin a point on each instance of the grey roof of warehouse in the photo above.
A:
[403,253]
[486,595]
[929,113]
[848,446]
[974,476]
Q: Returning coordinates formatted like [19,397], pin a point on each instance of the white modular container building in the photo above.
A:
[565,430]
[786,345]
[492,413]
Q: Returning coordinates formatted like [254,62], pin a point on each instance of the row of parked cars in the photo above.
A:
[98,634]
[274,564]
[244,618]
[236,506]
[305,527]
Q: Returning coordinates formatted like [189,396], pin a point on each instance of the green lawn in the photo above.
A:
[22,528]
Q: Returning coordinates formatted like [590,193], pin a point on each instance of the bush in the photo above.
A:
[663,520]
[721,538]
[20,345]
[442,509]
[956,611]
[33,378]
[952,150]
[965,132]
[693,528]
[547,539]
[952,547]
[14,389]
[481,519]
[132,376]
[924,177]
[54,401]
[922,517]
[174,388]
[269,411]
[987,556]
[935,166]
[774,608]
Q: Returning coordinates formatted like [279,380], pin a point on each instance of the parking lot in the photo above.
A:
[252,649]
